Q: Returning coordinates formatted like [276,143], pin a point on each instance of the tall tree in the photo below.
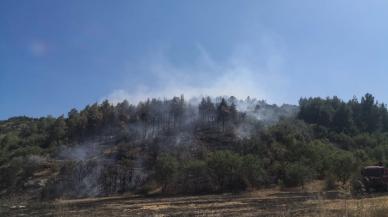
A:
[223,112]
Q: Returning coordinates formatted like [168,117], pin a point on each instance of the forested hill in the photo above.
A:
[179,146]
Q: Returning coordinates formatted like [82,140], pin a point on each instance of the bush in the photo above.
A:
[343,165]
[166,169]
[224,167]
[356,185]
[252,171]
[195,177]
[330,182]
[296,174]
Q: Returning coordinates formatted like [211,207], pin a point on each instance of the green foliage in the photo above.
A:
[330,182]
[351,117]
[195,177]
[221,149]
[343,165]
[166,169]
[297,174]
[319,156]
[224,167]
[253,172]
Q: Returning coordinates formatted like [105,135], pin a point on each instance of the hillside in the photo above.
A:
[184,147]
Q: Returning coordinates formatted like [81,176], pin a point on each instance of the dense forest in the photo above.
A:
[175,146]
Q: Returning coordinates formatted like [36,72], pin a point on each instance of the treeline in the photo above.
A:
[130,132]
[215,145]
[329,139]
[20,136]
[350,117]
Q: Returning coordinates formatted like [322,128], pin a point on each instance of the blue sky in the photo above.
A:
[56,55]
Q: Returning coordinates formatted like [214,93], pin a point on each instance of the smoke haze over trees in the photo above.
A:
[214,145]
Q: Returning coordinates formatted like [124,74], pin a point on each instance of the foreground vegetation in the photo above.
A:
[174,146]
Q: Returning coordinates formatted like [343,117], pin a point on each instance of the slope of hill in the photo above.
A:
[173,146]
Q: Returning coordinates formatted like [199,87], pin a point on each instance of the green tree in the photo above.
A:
[74,123]
[166,168]
[94,117]
[297,174]
[107,111]
[196,177]
[225,169]
[58,130]
[253,172]
[342,120]
[223,113]
[370,114]
[343,165]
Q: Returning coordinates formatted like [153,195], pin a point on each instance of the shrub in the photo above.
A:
[343,165]
[165,170]
[195,177]
[252,171]
[296,174]
[330,182]
[224,168]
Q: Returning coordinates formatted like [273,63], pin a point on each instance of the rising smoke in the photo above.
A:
[254,70]
[242,76]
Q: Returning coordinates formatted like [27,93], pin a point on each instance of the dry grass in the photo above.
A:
[268,202]
[364,207]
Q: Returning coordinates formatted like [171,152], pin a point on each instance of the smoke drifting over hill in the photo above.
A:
[253,71]
[156,126]
[187,111]
[215,145]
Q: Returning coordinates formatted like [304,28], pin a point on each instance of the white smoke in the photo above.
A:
[81,152]
[247,72]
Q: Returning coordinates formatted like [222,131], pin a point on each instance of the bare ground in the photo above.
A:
[257,203]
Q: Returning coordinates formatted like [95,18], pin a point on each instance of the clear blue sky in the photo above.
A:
[56,55]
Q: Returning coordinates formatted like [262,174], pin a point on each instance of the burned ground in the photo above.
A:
[270,202]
